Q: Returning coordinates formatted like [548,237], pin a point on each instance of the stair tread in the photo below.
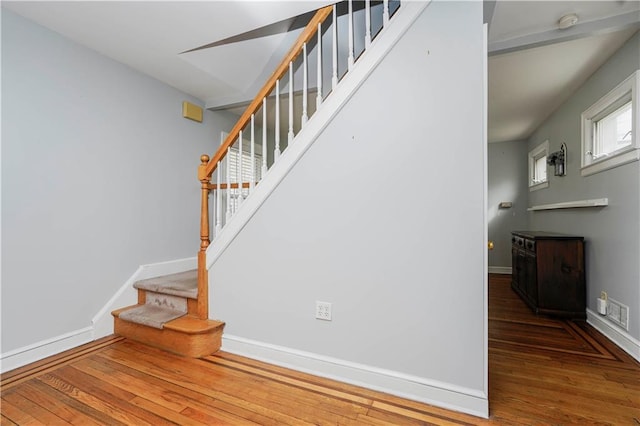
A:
[192,325]
[150,315]
[183,284]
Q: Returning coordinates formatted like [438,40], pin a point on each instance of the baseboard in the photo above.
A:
[621,338]
[348,86]
[506,270]
[420,389]
[39,350]
[102,322]
[127,295]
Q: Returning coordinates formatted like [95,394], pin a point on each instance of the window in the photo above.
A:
[609,135]
[538,167]
[234,164]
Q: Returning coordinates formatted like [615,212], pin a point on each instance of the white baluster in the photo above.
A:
[276,151]
[305,83]
[334,49]
[290,134]
[319,47]
[239,174]
[367,20]
[229,201]
[212,214]
[252,182]
[218,203]
[350,60]
[264,137]
[385,12]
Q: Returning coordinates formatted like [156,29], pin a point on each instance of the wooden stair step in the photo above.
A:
[189,324]
[183,284]
[187,335]
[150,315]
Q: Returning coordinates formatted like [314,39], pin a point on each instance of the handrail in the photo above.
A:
[255,105]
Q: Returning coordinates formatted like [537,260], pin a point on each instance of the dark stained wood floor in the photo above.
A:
[541,371]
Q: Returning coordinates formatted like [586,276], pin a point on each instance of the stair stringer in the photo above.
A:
[366,64]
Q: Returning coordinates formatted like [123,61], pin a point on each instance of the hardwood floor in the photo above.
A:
[550,371]
[542,371]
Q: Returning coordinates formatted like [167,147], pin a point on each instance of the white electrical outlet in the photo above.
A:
[323,311]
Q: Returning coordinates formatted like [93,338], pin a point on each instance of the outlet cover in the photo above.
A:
[618,313]
[323,311]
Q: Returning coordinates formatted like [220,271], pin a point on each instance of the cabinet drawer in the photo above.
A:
[530,245]
[517,242]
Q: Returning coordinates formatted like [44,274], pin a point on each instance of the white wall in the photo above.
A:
[612,233]
[507,181]
[98,177]
[378,219]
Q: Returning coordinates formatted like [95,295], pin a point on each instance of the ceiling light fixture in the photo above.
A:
[568,21]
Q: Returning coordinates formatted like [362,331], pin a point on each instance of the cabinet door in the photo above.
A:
[561,276]
[531,278]
[521,269]
[514,266]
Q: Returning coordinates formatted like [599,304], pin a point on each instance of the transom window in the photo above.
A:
[538,167]
[609,129]
[612,132]
[540,170]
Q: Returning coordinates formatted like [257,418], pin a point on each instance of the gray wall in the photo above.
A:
[396,245]
[612,233]
[98,177]
[506,181]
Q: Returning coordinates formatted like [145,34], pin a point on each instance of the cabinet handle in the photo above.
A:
[565,268]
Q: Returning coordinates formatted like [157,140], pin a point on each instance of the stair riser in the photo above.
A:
[192,304]
[190,345]
[166,301]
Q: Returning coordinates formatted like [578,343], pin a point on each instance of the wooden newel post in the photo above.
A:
[203,275]
[204,211]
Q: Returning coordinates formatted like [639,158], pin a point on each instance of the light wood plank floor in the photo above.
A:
[542,371]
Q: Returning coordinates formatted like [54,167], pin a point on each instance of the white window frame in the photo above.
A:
[620,95]
[536,153]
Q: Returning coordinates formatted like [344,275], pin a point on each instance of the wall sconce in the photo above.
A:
[558,159]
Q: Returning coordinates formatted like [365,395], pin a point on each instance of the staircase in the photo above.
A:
[166,317]
[172,311]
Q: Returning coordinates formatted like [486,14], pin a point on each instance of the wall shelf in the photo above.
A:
[597,202]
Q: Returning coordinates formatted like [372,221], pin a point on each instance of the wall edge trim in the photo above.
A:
[445,395]
[506,270]
[126,295]
[102,322]
[620,338]
[36,351]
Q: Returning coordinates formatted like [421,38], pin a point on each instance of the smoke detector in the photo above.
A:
[568,21]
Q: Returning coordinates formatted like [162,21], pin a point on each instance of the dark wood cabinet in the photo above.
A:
[548,272]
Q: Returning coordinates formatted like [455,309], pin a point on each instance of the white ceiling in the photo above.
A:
[533,66]
[526,86]
[151,37]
